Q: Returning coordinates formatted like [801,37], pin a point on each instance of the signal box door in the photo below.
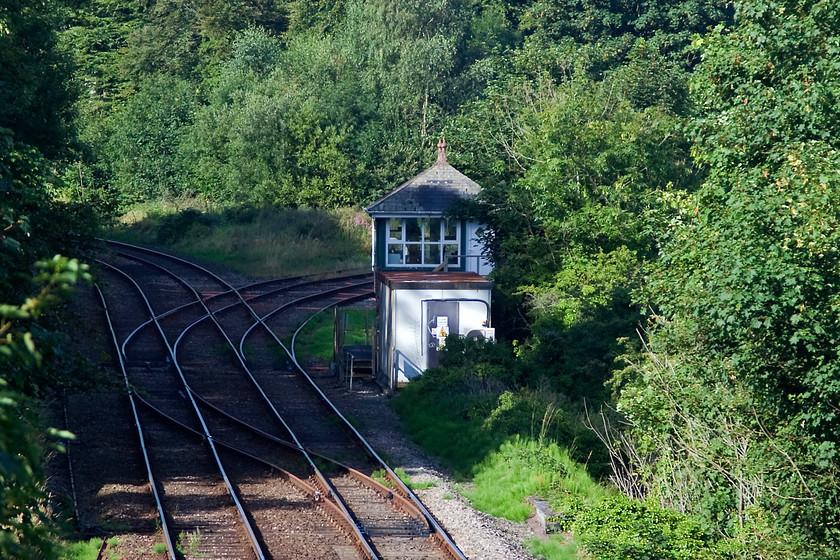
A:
[442,321]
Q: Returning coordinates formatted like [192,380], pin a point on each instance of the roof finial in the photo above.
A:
[441,151]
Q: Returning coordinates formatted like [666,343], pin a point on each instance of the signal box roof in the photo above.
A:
[426,280]
[429,193]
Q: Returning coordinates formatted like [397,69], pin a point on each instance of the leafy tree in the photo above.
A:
[320,16]
[35,93]
[271,134]
[96,35]
[569,209]
[145,146]
[26,529]
[647,43]
[189,41]
[35,129]
[746,287]
[615,25]
[333,117]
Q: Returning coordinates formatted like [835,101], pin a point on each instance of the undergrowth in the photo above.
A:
[466,409]
[515,442]
[82,550]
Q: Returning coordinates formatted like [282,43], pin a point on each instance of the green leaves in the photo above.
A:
[619,528]
[746,287]
[25,528]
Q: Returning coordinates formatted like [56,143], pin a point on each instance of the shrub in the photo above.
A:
[620,528]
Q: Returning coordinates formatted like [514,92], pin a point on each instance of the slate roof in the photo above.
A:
[430,192]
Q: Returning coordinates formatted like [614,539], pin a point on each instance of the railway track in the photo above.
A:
[212,376]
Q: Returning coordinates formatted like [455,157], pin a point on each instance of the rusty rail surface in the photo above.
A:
[404,498]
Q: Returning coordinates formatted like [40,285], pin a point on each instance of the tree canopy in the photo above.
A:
[663,167]
[745,288]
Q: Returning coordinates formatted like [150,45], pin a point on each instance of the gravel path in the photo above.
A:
[478,535]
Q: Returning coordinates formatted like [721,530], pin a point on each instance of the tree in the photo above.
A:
[191,41]
[146,140]
[26,528]
[35,131]
[746,285]
[572,195]
[35,93]
[332,117]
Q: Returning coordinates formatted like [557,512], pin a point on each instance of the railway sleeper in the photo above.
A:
[399,502]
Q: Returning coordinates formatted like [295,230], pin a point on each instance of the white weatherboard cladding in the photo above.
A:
[474,247]
[409,324]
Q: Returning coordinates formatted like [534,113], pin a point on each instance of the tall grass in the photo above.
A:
[554,548]
[524,467]
[82,550]
[265,242]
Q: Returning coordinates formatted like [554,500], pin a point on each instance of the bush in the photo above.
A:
[174,227]
[620,528]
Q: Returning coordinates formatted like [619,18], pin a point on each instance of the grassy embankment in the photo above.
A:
[261,243]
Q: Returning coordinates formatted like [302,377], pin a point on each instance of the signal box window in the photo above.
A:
[422,241]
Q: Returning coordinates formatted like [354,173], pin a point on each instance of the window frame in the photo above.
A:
[425,245]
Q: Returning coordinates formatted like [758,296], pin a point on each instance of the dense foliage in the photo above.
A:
[36,135]
[745,338]
[668,163]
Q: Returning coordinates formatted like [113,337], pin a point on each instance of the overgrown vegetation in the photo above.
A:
[659,185]
[81,550]
[476,401]
[266,242]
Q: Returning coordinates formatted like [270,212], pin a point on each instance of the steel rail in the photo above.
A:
[307,280]
[170,548]
[228,292]
[251,535]
[448,543]
[310,297]
[329,488]
[362,540]
[409,507]
[333,512]
[450,547]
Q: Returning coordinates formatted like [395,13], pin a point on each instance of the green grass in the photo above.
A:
[435,421]
[522,468]
[82,550]
[317,339]
[188,542]
[553,548]
[266,242]
[379,476]
[400,472]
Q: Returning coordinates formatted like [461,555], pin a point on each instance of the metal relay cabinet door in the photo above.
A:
[442,320]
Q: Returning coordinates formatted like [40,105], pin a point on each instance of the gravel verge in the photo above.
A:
[479,536]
